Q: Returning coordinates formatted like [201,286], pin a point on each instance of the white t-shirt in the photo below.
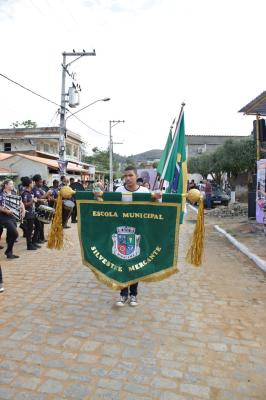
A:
[127,194]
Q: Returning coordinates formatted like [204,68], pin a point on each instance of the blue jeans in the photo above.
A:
[208,200]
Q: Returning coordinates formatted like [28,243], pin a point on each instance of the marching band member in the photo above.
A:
[7,218]
[66,212]
[52,193]
[40,194]
[29,203]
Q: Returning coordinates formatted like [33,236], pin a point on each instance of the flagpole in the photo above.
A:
[173,143]
[157,174]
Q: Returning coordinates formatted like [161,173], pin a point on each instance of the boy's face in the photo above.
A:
[130,178]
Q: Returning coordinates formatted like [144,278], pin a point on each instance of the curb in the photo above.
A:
[244,249]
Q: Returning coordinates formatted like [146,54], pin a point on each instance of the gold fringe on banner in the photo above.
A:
[195,252]
[56,235]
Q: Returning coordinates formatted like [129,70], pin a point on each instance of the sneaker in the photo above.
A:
[133,301]
[1,288]
[122,301]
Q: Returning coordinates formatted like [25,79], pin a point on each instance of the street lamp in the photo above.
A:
[62,149]
[88,105]
[111,175]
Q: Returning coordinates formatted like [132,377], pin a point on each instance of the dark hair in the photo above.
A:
[26,181]
[131,168]
[62,178]
[37,178]
[140,180]
[55,181]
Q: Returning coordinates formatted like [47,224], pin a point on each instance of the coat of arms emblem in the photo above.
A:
[125,243]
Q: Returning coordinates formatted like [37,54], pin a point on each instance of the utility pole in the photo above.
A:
[62,130]
[111,173]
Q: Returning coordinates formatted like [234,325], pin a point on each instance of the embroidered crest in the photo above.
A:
[126,243]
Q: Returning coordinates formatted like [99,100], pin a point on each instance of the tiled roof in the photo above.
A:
[7,171]
[4,156]
[51,163]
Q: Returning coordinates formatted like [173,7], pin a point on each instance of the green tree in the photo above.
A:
[24,124]
[130,161]
[100,158]
[238,157]
[233,157]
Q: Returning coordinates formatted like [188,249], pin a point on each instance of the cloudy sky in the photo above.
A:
[151,55]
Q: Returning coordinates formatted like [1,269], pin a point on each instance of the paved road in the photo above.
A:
[198,335]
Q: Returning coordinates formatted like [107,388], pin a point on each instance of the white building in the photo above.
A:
[40,140]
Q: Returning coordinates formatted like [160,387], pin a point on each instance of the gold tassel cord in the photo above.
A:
[56,236]
[195,252]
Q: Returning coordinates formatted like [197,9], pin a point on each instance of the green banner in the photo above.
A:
[126,242]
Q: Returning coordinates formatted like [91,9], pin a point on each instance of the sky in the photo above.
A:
[151,55]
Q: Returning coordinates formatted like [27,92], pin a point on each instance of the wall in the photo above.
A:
[24,167]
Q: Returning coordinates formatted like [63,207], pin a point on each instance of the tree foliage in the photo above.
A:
[233,157]
[24,124]
[100,158]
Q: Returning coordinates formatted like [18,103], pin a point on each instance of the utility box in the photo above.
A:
[73,97]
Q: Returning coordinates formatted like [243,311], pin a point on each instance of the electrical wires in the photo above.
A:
[51,101]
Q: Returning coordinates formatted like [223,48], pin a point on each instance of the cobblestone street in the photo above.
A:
[200,334]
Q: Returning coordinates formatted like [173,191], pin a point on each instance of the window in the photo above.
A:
[7,146]
[46,148]
[75,151]
[68,149]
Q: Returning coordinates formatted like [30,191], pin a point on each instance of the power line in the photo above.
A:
[51,101]
[29,90]
[94,130]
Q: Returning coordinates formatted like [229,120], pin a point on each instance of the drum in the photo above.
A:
[68,205]
[45,214]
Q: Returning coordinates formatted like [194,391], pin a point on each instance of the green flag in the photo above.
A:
[165,153]
[175,169]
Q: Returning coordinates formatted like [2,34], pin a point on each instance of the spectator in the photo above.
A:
[208,194]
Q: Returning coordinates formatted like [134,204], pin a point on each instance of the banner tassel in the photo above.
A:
[195,252]
[56,235]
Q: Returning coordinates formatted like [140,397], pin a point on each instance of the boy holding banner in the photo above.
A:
[130,186]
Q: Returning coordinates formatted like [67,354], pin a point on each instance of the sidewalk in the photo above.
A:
[248,232]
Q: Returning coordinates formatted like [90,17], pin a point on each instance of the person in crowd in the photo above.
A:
[64,181]
[29,203]
[192,185]
[66,211]
[147,185]
[77,186]
[52,193]
[20,185]
[7,217]
[208,193]
[130,186]
[45,187]
[40,194]
[1,281]
[140,181]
